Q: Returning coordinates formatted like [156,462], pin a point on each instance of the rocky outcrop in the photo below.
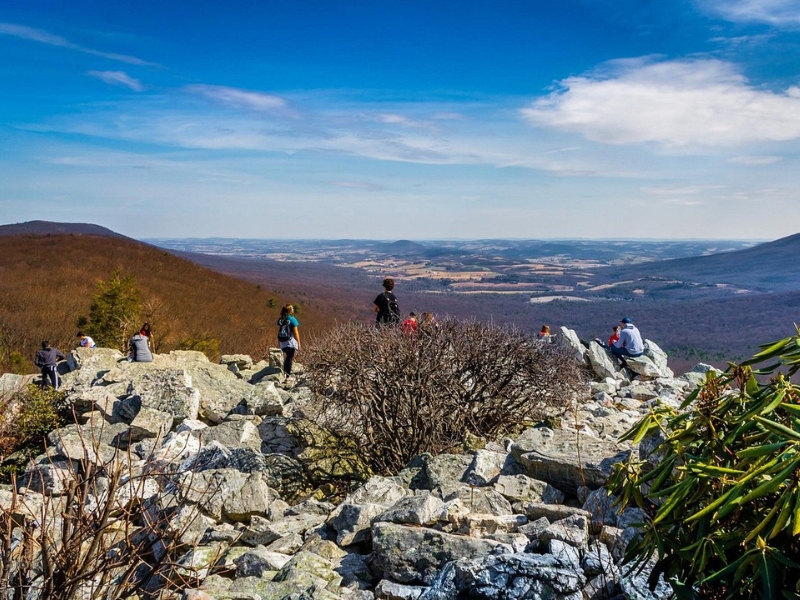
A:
[216,446]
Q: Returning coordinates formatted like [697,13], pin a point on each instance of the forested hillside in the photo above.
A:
[47,283]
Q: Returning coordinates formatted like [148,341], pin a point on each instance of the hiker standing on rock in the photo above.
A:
[288,338]
[630,341]
[47,360]
[386,308]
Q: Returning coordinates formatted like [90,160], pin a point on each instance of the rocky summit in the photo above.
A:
[219,448]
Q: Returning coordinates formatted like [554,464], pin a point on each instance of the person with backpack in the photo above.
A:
[288,338]
[386,308]
[47,360]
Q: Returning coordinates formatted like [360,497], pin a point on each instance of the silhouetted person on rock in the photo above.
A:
[47,360]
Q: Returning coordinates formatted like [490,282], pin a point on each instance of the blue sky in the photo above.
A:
[526,119]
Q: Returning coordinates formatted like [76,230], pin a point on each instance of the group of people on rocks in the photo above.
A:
[47,358]
[625,340]
[387,312]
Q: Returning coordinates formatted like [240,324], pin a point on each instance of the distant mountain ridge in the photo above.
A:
[52,228]
[771,266]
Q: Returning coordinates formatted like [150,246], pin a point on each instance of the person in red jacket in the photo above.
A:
[410,324]
[614,336]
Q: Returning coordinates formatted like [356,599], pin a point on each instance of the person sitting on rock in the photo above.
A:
[544,334]
[86,341]
[630,342]
[140,348]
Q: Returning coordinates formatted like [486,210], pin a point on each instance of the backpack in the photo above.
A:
[284,329]
[393,309]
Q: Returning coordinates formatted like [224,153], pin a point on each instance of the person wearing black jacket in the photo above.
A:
[47,359]
[386,307]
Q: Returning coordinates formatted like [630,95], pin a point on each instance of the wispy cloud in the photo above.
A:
[239,98]
[698,103]
[779,13]
[754,160]
[359,185]
[44,37]
[687,190]
[117,78]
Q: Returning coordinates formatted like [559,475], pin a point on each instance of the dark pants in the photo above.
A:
[288,357]
[623,352]
[50,376]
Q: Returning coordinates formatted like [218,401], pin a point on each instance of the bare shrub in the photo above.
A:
[394,395]
[98,528]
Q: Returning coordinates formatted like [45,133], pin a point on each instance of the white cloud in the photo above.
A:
[754,160]
[44,37]
[117,78]
[779,13]
[238,98]
[699,103]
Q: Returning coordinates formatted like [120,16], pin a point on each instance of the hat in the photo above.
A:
[626,320]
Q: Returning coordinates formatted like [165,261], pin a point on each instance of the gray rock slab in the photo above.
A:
[566,459]
[487,466]
[602,362]
[521,488]
[232,435]
[389,590]
[414,555]
[227,493]
[553,512]
[420,509]
[353,522]
[150,423]
[442,470]
[572,530]
[507,577]
[165,390]
[379,490]
[478,500]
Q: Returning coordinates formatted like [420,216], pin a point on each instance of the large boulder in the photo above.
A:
[603,362]
[659,358]
[227,493]
[414,555]
[166,390]
[442,470]
[566,459]
[521,488]
[507,577]
[568,339]
[643,366]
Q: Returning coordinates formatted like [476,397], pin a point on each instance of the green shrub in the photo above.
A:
[26,416]
[207,345]
[393,395]
[114,313]
[721,490]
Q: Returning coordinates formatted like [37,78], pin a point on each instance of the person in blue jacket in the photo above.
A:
[288,338]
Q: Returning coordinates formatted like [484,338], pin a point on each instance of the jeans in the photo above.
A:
[288,357]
